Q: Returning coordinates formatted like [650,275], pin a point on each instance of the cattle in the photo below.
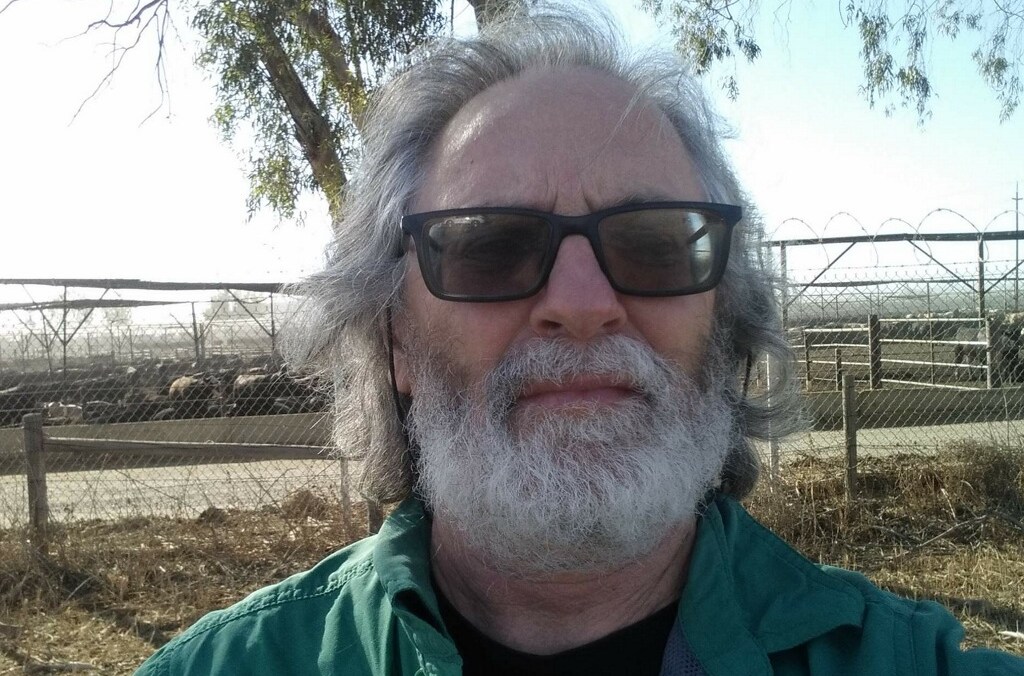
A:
[191,396]
[15,402]
[155,390]
[256,393]
[27,397]
[101,412]
[1006,345]
[58,413]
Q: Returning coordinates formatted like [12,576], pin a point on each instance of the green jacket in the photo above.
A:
[752,606]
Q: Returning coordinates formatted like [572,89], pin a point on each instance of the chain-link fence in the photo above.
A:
[927,323]
[155,401]
[189,405]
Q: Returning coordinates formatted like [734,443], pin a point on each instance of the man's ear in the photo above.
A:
[400,359]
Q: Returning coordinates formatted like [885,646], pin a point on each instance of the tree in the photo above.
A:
[294,76]
[896,39]
[299,72]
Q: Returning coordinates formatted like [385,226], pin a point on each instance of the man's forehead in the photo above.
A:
[545,129]
[517,105]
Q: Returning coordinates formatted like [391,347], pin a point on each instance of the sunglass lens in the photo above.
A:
[486,255]
[660,250]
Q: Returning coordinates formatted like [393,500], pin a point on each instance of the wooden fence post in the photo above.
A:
[850,431]
[35,473]
[875,352]
[374,516]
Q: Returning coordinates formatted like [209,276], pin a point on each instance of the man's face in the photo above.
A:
[567,142]
[567,430]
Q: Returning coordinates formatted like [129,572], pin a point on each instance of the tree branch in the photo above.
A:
[332,52]
[134,17]
[139,19]
[312,129]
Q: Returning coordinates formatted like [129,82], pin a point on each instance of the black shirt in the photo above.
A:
[635,650]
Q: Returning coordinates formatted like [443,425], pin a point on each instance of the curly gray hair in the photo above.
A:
[343,327]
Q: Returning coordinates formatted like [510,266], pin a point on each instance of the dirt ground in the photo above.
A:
[108,594]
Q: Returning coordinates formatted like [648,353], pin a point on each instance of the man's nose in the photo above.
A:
[578,302]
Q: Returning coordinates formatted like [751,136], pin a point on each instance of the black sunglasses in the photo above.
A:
[507,253]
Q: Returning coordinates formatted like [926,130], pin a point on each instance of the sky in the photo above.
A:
[111,193]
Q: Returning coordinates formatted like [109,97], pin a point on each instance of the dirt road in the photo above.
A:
[186,491]
[170,491]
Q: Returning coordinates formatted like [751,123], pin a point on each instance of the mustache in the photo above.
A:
[627,361]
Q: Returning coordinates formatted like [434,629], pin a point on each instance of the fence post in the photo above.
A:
[807,361]
[850,432]
[981,278]
[993,352]
[839,369]
[784,286]
[875,352]
[374,516]
[196,338]
[773,442]
[345,495]
[931,347]
[35,474]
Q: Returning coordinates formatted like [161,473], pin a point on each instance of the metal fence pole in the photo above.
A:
[773,442]
[993,352]
[196,338]
[808,376]
[784,286]
[981,278]
[875,352]
[850,432]
[839,369]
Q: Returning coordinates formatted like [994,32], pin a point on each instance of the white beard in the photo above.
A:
[590,488]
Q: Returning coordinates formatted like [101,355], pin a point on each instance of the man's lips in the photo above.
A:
[576,391]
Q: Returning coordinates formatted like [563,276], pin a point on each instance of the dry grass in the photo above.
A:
[949,528]
[108,594]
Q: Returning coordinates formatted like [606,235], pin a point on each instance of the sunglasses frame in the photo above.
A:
[727,216]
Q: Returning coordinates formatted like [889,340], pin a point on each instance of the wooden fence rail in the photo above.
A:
[39,444]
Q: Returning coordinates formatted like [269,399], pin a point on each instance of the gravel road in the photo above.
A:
[169,491]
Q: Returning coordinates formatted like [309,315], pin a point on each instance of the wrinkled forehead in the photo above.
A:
[549,132]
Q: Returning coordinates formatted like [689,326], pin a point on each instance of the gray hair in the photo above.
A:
[343,327]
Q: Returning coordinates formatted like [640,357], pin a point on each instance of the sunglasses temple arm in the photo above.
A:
[400,408]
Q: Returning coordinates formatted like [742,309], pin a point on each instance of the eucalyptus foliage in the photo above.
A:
[896,39]
[295,75]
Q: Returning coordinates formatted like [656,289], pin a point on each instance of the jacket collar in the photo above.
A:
[749,594]
[401,558]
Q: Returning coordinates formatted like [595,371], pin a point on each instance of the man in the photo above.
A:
[545,268]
